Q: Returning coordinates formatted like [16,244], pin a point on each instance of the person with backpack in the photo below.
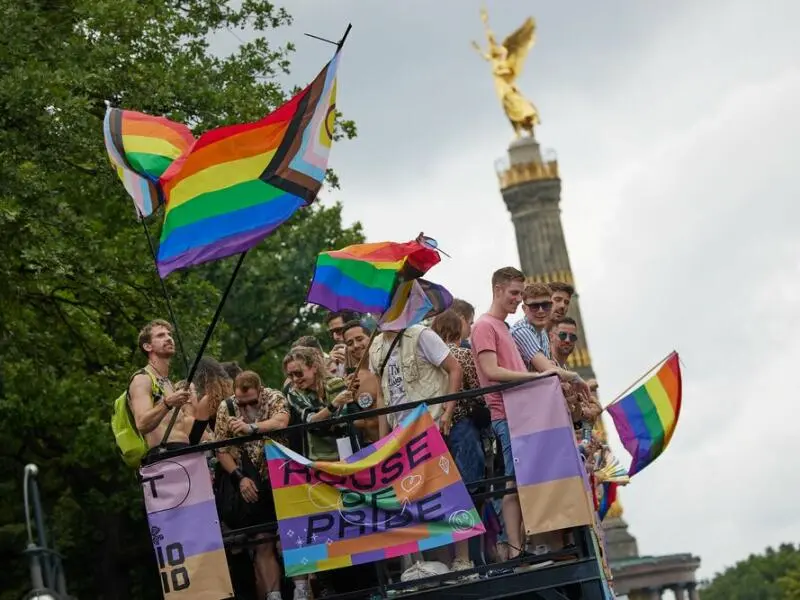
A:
[142,413]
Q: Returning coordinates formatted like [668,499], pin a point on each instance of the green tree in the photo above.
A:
[76,277]
[774,575]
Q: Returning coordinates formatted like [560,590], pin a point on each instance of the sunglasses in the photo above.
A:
[336,330]
[563,335]
[247,402]
[534,306]
[295,374]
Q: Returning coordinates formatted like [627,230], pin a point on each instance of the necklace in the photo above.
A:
[162,380]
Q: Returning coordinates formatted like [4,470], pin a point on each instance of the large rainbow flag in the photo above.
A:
[646,417]
[364,277]
[184,528]
[141,147]
[400,495]
[237,184]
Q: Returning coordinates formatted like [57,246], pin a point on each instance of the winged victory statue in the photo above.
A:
[507,60]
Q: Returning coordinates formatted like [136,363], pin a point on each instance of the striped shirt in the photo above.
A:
[529,341]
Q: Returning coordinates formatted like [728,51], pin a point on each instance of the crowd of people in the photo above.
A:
[362,371]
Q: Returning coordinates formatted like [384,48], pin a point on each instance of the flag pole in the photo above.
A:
[650,370]
[203,345]
[167,298]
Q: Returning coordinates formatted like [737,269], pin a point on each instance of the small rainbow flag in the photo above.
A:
[364,277]
[413,302]
[607,498]
[141,147]
[237,184]
[646,418]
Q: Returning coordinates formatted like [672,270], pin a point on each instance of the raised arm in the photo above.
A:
[484,55]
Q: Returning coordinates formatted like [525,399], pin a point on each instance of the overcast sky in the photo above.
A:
[676,127]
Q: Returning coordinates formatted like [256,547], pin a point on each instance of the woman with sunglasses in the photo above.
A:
[314,395]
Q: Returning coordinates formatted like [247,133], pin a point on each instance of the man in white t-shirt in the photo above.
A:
[414,364]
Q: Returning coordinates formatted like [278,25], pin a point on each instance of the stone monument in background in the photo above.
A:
[531,187]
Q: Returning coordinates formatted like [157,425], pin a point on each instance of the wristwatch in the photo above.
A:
[253,428]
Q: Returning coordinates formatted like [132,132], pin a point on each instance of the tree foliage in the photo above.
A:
[76,277]
[774,575]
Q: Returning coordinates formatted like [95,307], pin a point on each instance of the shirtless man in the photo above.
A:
[152,413]
[364,382]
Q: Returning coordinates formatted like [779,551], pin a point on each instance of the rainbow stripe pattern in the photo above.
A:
[413,302]
[364,277]
[237,184]
[646,418]
[184,528]
[400,495]
[551,480]
[141,147]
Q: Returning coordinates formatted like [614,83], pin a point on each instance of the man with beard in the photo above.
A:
[362,380]
[561,296]
[152,396]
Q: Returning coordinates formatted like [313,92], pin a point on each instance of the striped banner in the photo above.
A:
[184,527]
[401,495]
[551,480]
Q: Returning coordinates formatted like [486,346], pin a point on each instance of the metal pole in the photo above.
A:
[206,340]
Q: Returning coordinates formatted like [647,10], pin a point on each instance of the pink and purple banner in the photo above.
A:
[551,479]
[185,530]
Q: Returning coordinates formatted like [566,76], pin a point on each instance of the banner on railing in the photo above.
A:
[400,495]
[551,481]
[185,529]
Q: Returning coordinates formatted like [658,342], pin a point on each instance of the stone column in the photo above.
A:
[693,593]
[679,591]
[531,189]
[655,594]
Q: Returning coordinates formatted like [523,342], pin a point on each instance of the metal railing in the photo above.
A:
[581,554]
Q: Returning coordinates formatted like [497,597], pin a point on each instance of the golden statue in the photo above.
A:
[507,60]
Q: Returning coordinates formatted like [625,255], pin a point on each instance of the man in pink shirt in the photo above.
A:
[498,360]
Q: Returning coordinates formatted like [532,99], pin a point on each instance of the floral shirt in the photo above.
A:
[271,403]
[469,381]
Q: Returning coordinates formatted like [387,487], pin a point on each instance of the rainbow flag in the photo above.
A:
[364,277]
[607,497]
[413,302]
[185,531]
[237,184]
[141,147]
[646,418]
[400,495]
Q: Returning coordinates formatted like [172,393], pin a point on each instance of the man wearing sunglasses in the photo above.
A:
[531,336]
[563,337]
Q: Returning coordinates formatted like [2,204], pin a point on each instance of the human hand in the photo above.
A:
[339,353]
[345,397]
[239,427]
[248,489]
[178,398]
[352,381]
[445,423]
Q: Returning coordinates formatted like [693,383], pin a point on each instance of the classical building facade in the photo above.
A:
[531,187]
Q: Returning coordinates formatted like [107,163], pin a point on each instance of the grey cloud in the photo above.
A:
[675,125]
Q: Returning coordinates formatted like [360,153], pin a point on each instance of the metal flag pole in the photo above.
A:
[209,332]
[167,297]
